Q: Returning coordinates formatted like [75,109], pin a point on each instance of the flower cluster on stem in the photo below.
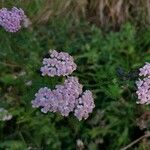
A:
[67,97]
[12,20]
[143,85]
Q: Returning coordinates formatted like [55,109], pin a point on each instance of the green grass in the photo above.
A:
[97,53]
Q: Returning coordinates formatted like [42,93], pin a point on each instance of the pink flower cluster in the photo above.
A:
[145,70]
[65,98]
[58,64]
[12,20]
[84,105]
[61,99]
[143,85]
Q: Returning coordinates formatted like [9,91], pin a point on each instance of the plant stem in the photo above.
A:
[136,141]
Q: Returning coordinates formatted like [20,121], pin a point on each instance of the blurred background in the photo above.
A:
[109,40]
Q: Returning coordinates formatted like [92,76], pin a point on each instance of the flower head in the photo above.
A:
[67,97]
[46,100]
[145,70]
[11,20]
[68,93]
[58,64]
[84,105]
[143,91]
[143,85]
[62,99]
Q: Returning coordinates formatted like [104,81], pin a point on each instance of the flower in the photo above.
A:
[143,91]
[143,85]
[84,105]
[145,70]
[46,100]
[67,97]
[68,93]
[58,64]
[61,99]
[12,20]
[4,115]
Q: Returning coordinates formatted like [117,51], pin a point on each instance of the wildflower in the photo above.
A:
[67,97]
[12,20]
[46,100]
[145,71]
[58,64]
[143,91]
[62,99]
[84,105]
[143,85]
[4,115]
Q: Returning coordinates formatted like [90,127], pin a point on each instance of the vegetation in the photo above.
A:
[103,55]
